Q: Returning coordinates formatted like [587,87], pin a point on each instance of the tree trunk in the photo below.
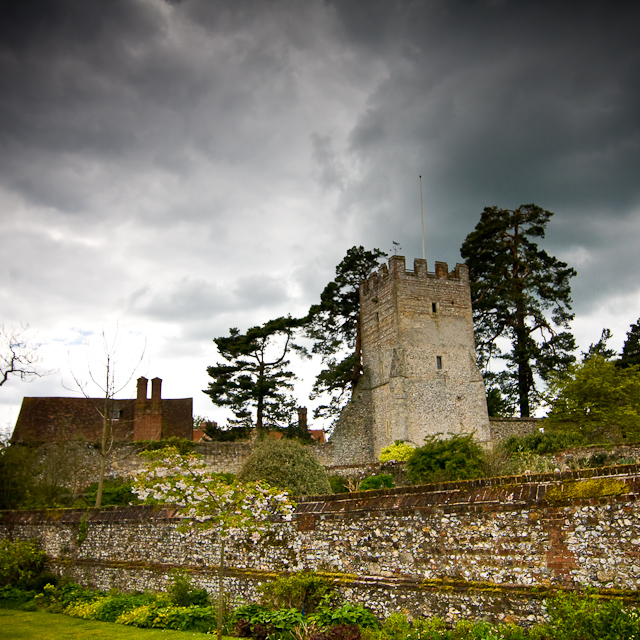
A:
[220,589]
[260,403]
[106,423]
[522,360]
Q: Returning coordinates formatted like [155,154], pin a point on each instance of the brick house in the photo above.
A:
[72,419]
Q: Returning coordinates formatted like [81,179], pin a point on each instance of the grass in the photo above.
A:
[27,625]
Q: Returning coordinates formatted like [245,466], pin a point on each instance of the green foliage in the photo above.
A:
[20,562]
[230,434]
[497,404]
[258,622]
[24,483]
[254,380]
[582,617]
[520,293]
[56,598]
[12,597]
[302,591]
[83,529]
[396,627]
[328,615]
[599,397]
[456,458]
[398,451]
[338,632]
[288,465]
[338,484]
[184,594]
[631,349]
[334,326]
[541,442]
[116,492]
[194,618]
[182,445]
[380,481]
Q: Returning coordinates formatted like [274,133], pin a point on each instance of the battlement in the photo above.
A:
[397,270]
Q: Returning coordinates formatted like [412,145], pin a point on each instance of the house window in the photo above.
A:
[434,307]
[438,362]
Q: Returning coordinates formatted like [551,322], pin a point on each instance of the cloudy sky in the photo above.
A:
[178,168]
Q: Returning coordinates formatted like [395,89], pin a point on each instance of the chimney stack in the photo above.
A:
[156,389]
[142,389]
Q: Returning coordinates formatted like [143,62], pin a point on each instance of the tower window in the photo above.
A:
[434,307]
[438,362]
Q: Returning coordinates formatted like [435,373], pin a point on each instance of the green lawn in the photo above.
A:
[23,625]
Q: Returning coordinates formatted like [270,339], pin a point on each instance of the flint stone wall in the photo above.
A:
[486,548]
[503,428]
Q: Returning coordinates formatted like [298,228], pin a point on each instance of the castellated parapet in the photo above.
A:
[418,352]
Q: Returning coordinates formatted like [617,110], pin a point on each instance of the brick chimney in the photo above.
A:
[156,389]
[142,389]
[147,420]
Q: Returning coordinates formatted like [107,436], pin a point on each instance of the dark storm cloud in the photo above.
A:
[500,103]
[93,92]
[196,165]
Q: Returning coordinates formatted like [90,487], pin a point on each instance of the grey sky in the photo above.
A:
[183,167]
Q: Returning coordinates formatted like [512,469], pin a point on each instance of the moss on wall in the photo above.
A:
[591,488]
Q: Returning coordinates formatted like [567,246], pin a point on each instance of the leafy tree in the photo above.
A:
[455,458]
[18,476]
[286,464]
[232,510]
[597,396]
[34,477]
[254,379]
[334,325]
[521,293]
[631,348]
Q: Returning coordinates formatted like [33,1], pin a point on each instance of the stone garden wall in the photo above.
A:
[503,428]
[492,547]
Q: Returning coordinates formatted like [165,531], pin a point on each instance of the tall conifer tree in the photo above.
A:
[521,294]
[334,325]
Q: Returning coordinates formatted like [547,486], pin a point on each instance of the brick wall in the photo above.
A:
[490,547]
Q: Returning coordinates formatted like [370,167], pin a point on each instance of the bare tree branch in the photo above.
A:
[18,355]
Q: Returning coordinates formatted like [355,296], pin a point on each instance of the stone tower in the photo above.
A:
[418,351]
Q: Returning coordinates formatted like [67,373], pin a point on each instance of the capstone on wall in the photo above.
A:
[418,351]
[475,549]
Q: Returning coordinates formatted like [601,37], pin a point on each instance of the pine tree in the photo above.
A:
[520,293]
[334,325]
[631,349]
[254,380]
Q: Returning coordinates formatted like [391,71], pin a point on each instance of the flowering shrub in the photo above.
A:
[233,509]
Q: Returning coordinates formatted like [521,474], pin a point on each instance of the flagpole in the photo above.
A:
[424,257]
